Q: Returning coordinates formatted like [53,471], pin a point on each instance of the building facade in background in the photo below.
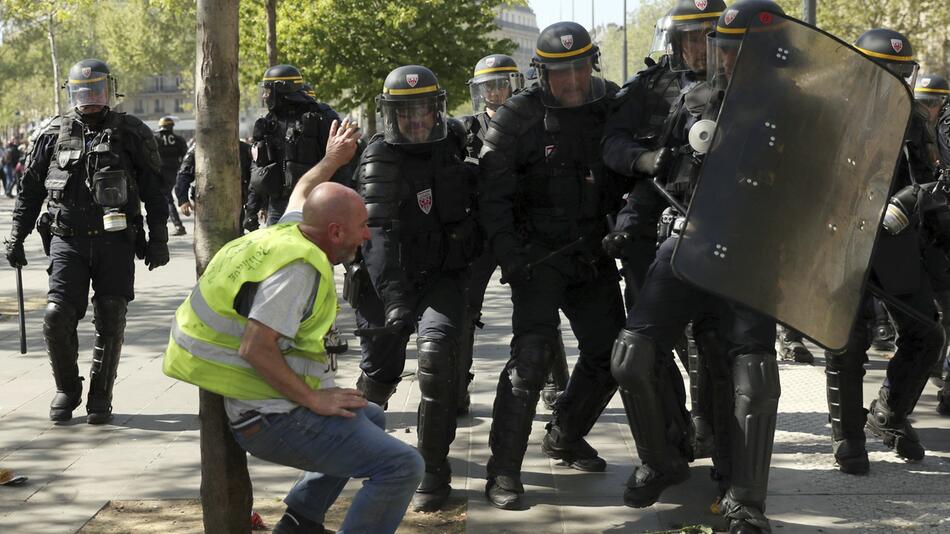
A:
[521,26]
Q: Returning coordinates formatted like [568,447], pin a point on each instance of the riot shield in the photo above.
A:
[791,194]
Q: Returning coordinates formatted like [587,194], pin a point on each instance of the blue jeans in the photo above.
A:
[331,450]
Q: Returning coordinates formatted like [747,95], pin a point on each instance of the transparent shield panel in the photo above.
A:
[791,194]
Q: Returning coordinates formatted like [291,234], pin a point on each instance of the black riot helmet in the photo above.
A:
[496,78]
[723,44]
[568,65]
[412,106]
[932,92]
[280,82]
[690,21]
[891,50]
[90,83]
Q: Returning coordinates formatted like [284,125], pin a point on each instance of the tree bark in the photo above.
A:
[51,33]
[270,6]
[226,495]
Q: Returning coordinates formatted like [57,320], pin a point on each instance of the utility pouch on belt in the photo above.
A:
[353,282]
[42,228]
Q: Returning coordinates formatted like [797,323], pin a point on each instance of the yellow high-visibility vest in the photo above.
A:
[206,333]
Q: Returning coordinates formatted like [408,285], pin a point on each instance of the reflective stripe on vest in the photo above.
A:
[301,365]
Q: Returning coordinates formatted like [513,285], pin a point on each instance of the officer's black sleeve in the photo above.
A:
[186,176]
[148,171]
[379,184]
[502,161]
[621,146]
[32,185]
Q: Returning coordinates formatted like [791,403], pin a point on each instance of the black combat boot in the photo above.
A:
[109,320]
[557,380]
[577,454]
[894,429]
[794,349]
[62,346]
[433,492]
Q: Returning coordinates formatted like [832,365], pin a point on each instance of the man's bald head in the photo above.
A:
[334,217]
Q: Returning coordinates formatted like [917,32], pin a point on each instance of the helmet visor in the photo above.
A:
[413,121]
[721,56]
[689,47]
[569,84]
[94,90]
[905,69]
[661,38]
[491,91]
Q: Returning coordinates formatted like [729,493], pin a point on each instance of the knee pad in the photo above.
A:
[59,320]
[757,382]
[436,368]
[109,315]
[531,360]
[633,360]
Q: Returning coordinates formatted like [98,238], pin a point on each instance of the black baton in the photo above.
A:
[19,298]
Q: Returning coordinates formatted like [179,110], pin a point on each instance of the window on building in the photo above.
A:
[156,83]
[177,105]
[139,106]
[158,105]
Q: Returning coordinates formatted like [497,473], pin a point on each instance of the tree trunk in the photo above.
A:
[270,6]
[226,496]
[50,32]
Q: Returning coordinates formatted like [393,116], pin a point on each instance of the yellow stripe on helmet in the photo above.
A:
[496,69]
[889,57]
[91,80]
[572,53]
[734,31]
[414,91]
[929,90]
[697,16]
[279,78]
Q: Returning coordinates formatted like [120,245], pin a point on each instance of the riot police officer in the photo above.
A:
[418,193]
[634,146]
[936,93]
[543,200]
[641,360]
[495,79]
[186,178]
[171,149]
[288,140]
[93,166]
[896,266]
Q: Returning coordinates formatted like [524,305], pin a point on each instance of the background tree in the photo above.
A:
[225,486]
[345,48]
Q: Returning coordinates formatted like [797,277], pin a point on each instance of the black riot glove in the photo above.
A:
[251,222]
[400,319]
[515,270]
[14,252]
[156,252]
[616,243]
[653,162]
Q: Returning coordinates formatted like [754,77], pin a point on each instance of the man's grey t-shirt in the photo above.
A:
[279,302]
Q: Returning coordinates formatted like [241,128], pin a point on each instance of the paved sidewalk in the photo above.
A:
[150,451]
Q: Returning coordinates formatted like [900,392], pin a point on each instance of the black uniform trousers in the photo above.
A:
[106,260]
[918,348]
[591,299]
[439,307]
[665,305]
